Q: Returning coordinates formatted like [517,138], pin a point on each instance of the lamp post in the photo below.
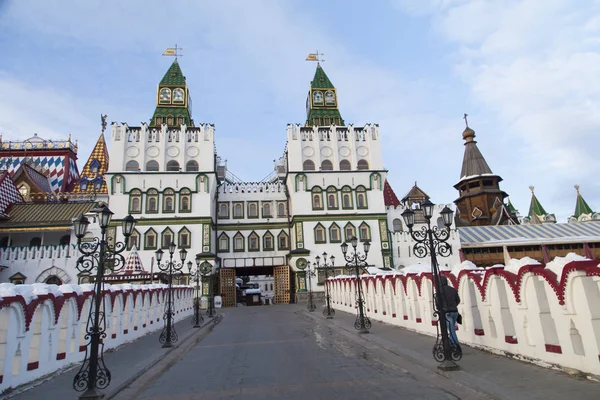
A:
[329,312]
[354,262]
[206,270]
[311,301]
[433,241]
[98,254]
[195,276]
[168,336]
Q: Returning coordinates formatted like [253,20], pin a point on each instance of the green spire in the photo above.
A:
[535,208]
[511,208]
[322,103]
[173,101]
[581,207]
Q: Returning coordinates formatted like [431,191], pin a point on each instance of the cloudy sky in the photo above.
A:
[526,71]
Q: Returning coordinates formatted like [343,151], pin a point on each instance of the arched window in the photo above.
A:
[282,241]
[185,238]
[268,241]
[397,224]
[152,201]
[152,166]
[150,239]
[267,210]
[168,201]
[238,210]
[320,234]
[346,198]
[326,165]
[238,242]
[332,198]
[362,164]
[223,210]
[349,231]
[167,238]
[135,201]
[53,280]
[134,240]
[308,165]
[252,210]
[35,242]
[253,242]
[223,242]
[345,165]
[335,233]
[132,166]
[185,200]
[65,240]
[173,166]
[159,120]
[365,232]
[317,198]
[191,166]
[361,197]
[281,210]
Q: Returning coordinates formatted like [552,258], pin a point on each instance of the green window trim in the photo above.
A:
[332,228]
[137,195]
[168,194]
[287,241]
[361,191]
[150,233]
[235,241]
[265,246]
[164,244]
[185,194]
[135,238]
[253,236]
[223,206]
[361,228]
[346,236]
[151,195]
[238,205]
[184,231]
[220,240]
[320,228]
[347,194]
[253,205]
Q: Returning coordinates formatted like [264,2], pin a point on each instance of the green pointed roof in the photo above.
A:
[535,208]
[581,206]
[511,208]
[324,112]
[174,76]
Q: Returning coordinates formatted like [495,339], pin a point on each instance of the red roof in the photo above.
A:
[389,197]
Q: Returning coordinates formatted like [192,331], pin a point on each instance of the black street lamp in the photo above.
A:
[354,262]
[168,336]
[97,254]
[206,270]
[329,312]
[195,277]
[311,301]
[433,241]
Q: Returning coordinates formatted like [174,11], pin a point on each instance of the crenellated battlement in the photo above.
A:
[252,187]
[335,133]
[164,134]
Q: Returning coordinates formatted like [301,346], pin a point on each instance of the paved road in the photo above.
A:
[279,352]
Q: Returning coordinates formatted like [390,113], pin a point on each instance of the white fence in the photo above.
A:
[42,327]
[547,314]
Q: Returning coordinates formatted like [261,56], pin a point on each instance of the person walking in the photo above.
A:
[449,300]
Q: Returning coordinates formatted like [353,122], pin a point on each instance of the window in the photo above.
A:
[346,198]
[252,210]
[271,285]
[268,241]
[253,242]
[184,238]
[185,196]
[97,184]
[317,121]
[282,241]
[365,232]
[53,280]
[134,240]
[191,166]
[223,242]
[281,210]
[267,210]
[345,165]
[35,242]
[223,210]
[335,234]
[152,166]
[319,234]
[397,224]
[362,164]
[361,197]
[169,120]
[158,120]
[83,184]
[238,242]
[167,238]
[349,231]
[326,121]
[308,165]
[164,96]
[152,201]
[132,166]
[180,120]
[332,198]
[326,165]
[150,239]
[135,200]
[238,210]
[266,286]
[94,166]
[168,201]
[173,166]
[317,199]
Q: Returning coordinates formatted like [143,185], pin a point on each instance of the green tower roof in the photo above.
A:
[174,76]
[581,206]
[511,208]
[535,208]
[322,103]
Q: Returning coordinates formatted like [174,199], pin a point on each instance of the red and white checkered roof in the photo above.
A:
[133,265]
[9,193]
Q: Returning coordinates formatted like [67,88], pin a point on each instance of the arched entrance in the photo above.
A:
[53,276]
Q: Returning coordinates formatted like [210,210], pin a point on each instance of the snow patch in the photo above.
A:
[558,264]
[416,269]
[44,288]
[515,265]
[464,266]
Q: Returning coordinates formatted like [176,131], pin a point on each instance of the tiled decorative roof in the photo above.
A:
[133,264]
[174,76]
[389,197]
[535,207]
[415,195]
[321,80]
[581,206]
[44,215]
[323,110]
[94,170]
[9,193]
[507,235]
[30,174]
[473,162]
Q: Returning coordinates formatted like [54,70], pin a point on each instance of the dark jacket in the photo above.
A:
[450,295]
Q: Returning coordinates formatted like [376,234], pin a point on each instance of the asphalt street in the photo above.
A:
[279,352]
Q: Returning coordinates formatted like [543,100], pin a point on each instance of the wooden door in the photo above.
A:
[228,287]
[282,284]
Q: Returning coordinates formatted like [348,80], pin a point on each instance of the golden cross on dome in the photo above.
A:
[465,118]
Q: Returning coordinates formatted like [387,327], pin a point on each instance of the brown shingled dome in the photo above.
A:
[468,133]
